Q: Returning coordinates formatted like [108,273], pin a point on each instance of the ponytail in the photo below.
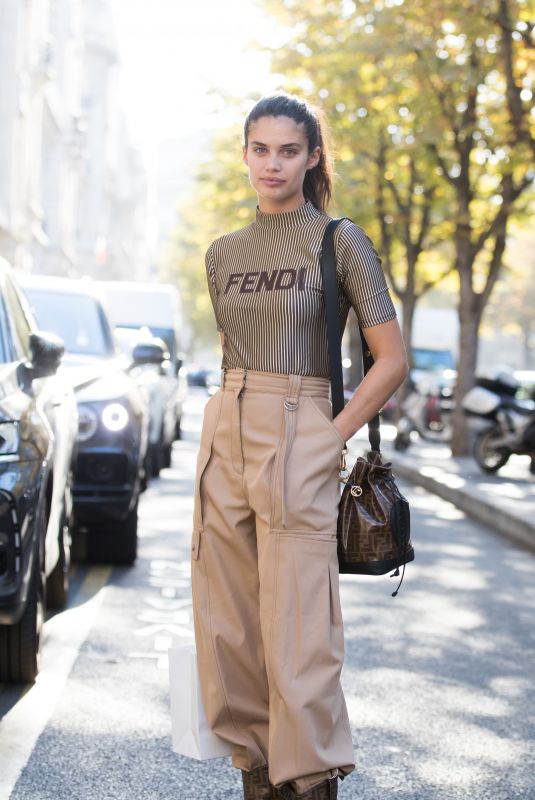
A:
[317,186]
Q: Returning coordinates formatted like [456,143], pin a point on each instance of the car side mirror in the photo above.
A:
[47,351]
[148,353]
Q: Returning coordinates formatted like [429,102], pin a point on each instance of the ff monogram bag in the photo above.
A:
[373,516]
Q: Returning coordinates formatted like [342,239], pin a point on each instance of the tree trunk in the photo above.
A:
[409,306]
[466,369]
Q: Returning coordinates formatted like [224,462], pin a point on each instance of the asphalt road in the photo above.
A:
[439,680]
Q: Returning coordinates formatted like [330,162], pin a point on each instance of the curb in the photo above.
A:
[512,527]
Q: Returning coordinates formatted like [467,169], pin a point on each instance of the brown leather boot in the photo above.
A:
[327,790]
[256,785]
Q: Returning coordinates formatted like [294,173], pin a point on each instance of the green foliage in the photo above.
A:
[417,94]
[430,103]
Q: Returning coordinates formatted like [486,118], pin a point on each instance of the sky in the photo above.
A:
[175,53]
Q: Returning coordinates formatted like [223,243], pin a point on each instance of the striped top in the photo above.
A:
[267,292]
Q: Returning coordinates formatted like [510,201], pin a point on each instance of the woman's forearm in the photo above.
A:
[376,388]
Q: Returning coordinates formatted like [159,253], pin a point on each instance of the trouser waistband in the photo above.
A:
[273,382]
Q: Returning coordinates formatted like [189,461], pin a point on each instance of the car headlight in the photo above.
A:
[87,423]
[9,438]
[115,417]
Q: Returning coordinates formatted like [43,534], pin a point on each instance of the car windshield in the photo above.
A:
[432,359]
[77,319]
[128,334]
[127,338]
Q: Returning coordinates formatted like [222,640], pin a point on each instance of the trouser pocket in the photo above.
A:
[305,494]
[305,657]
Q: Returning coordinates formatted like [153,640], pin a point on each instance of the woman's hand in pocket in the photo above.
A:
[343,426]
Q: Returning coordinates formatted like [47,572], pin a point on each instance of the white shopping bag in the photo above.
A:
[191,734]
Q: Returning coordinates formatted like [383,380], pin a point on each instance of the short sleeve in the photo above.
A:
[210,277]
[362,278]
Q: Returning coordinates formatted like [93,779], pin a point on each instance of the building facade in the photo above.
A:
[72,189]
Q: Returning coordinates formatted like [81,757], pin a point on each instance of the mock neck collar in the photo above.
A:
[287,219]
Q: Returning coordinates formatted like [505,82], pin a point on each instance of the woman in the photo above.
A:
[268,623]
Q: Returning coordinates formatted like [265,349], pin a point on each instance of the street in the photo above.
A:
[439,680]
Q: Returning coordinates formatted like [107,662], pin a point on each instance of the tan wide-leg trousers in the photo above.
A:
[268,623]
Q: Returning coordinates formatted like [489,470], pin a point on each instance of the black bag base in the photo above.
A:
[374,567]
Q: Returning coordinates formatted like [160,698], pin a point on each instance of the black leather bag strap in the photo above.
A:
[334,335]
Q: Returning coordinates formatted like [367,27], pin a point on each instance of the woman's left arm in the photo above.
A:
[387,374]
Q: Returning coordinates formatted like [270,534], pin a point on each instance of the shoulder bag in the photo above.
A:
[373,517]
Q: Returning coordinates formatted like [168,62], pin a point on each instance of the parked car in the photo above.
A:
[198,375]
[113,417]
[155,379]
[38,428]
[137,309]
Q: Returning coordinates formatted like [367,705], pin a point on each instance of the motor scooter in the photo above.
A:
[427,411]
[508,424]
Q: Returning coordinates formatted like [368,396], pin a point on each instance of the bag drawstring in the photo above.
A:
[395,574]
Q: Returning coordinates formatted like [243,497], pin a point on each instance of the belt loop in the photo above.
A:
[223,376]
[291,404]
[291,401]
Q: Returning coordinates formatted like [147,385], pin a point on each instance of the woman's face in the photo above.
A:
[278,159]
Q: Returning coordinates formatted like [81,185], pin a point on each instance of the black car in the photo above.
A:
[113,417]
[38,426]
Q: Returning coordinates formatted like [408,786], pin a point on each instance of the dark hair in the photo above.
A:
[317,186]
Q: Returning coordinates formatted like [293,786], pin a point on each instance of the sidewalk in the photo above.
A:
[504,502]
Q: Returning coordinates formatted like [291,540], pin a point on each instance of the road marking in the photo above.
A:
[168,618]
[64,635]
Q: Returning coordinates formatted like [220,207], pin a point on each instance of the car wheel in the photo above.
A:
[114,542]
[20,645]
[166,455]
[402,442]
[126,552]
[57,585]
[144,483]
[155,460]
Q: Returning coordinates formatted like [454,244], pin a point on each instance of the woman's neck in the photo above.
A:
[268,206]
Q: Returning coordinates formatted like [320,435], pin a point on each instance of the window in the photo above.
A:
[76,318]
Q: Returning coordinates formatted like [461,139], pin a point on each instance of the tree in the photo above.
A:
[445,86]
[486,149]
[389,183]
